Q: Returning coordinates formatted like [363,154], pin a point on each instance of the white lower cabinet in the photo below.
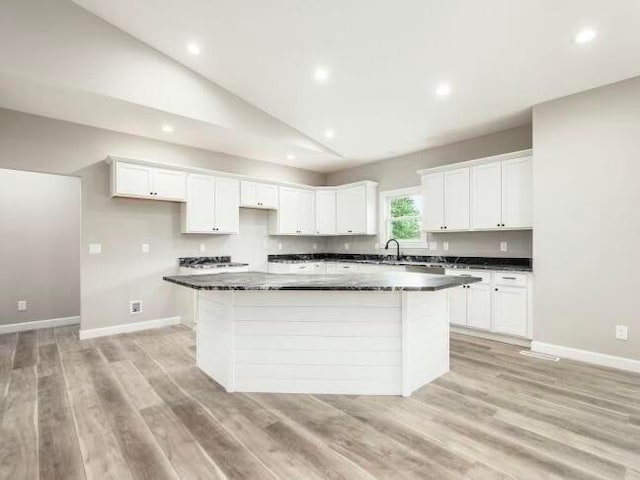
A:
[499,303]
[510,310]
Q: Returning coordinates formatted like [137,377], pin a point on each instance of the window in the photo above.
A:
[402,217]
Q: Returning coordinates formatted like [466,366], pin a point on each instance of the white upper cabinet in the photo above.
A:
[258,195]
[141,181]
[212,205]
[486,196]
[446,200]
[326,212]
[433,201]
[296,213]
[517,193]
[456,199]
[356,210]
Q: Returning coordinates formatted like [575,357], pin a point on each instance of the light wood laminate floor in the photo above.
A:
[135,406]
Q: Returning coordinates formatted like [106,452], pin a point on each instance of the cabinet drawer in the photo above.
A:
[485,276]
[511,279]
[347,267]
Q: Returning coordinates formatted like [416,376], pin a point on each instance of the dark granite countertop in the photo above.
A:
[209,262]
[472,263]
[386,281]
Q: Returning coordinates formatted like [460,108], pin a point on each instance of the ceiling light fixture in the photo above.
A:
[329,133]
[167,129]
[321,74]
[585,35]
[443,90]
[193,48]
[291,156]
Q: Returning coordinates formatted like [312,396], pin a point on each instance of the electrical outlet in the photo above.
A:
[95,248]
[433,245]
[621,332]
[347,246]
[145,248]
[135,306]
[203,247]
[22,305]
[445,246]
[504,246]
[315,246]
[279,246]
[376,246]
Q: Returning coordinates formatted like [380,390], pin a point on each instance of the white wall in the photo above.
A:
[400,172]
[39,246]
[122,272]
[587,228]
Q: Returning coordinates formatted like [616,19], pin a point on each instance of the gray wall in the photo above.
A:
[400,172]
[39,246]
[122,272]
[586,196]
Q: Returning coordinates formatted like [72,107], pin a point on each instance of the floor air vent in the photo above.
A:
[540,356]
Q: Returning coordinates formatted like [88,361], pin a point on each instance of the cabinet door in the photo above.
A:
[288,211]
[248,194]
[457,305]
[479,306]
[133,179]
[351,210]
[517,193]
[200,208]
[456,199]
[227,205]
[326,212]
[306,212]
[433,202]
[267,195]
[510,307]
[169,184]
[486,196]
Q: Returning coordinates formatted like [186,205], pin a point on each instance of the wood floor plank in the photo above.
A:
[184,453]
[46,336]
[144,457]
[235,461]
[18,432]
[59,451]
[140,392]
[26,354]
[101,453]
[49,360]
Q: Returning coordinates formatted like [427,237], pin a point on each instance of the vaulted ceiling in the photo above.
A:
[272,77]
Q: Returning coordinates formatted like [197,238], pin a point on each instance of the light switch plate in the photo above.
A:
[202,247]
[347,246]
[95,248]
[504,246]
[315,246]
[279,246]
[445,246]
[145,248]
[22,305]
[621,332]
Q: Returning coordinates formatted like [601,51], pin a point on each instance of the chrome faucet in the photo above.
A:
[386,247]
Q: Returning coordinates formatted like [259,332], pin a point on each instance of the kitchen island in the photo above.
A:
[361,334]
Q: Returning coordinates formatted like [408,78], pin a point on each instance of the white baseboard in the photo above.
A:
[587,356]
[38,324]
[128,327]
[497,337]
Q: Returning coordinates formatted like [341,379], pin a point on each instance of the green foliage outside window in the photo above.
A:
[407,229]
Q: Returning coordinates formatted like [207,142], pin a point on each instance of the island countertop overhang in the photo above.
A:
[379,282]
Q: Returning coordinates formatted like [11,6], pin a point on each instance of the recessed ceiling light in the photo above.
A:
[585,35]
[321,74]
[329,133]
[291,156]
[443,90]
[167,129]
[193,48]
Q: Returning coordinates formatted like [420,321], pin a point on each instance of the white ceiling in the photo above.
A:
[387,57]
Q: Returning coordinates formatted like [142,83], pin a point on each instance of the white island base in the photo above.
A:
[343,342]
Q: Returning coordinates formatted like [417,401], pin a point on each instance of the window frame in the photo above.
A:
[385,218]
